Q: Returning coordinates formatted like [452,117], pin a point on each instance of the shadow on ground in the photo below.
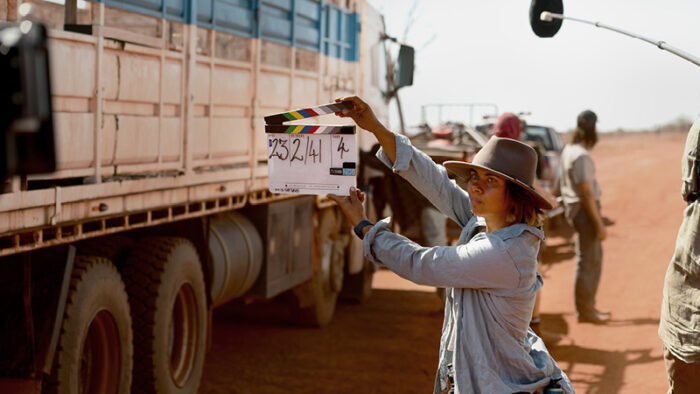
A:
[607,379]
[607,374]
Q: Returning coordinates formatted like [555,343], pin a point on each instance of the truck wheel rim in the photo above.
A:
[183,335]
[100,358]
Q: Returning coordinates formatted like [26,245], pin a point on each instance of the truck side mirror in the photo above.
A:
[404,72]
[26,121]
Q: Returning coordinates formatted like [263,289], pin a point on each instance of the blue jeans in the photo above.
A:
[589,262]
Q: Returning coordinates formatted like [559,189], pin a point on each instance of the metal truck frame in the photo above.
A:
[159,211]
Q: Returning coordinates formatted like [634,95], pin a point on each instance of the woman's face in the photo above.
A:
[487,192]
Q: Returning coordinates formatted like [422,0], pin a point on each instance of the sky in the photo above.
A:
[484,51]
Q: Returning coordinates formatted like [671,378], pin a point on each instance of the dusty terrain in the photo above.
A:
[389,344]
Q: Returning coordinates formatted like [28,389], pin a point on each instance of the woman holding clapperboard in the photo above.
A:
[486,345]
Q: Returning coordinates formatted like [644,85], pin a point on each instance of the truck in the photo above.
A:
[159,209]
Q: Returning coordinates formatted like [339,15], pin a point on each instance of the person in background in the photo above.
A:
[581,196]
[679,327]
[491,273]
[507,126]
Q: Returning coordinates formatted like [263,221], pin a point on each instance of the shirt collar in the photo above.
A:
[515,230]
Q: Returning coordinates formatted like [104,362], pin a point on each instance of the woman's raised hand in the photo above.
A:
[361,113]
[351,205]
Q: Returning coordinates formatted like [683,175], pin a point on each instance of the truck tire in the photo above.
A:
[94,354]
[166,290]
[328,257]
[115,248]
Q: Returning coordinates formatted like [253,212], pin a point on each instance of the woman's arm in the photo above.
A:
[483,263]
[428,178]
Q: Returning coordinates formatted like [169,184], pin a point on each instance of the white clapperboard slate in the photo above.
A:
[310,159]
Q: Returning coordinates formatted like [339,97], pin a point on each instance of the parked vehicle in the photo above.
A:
[159,211]
[549,140]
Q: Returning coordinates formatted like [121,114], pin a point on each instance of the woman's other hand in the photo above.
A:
[351,205]
[361,113]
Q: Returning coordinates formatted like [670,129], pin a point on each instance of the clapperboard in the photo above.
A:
[310,159]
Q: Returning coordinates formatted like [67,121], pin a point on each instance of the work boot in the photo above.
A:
[597,317]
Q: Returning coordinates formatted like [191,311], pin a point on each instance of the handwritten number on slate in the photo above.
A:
[297,142]
[312,151]
[282,144]
[341,148]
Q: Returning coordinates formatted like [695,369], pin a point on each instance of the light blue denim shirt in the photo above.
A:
[493,276]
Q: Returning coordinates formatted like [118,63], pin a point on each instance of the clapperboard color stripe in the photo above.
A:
[307,113]
[293,129]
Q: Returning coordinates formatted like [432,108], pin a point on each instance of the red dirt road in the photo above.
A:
[390,343]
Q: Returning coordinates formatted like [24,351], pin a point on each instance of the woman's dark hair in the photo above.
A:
[588,136]
[523,206]
[585,131]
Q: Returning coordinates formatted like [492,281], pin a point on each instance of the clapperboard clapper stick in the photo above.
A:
[310,159]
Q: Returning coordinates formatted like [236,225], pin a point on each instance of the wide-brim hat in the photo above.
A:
[511,159]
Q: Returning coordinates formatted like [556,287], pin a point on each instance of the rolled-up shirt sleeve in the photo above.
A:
[429,179]
[483,263]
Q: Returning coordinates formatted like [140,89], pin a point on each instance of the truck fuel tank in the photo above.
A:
[236,253]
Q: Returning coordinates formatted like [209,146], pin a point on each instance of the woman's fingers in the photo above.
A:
[360,195]
[355,195]
[340,200]
[357,104]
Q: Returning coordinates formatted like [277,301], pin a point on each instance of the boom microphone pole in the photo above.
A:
[546,17]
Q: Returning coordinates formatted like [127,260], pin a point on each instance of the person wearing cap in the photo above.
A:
[679,326]
[581,196]
[491,272]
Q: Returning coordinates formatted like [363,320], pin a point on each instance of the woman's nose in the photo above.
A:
[475,187]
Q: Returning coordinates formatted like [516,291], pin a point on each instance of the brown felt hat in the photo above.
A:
[511,159]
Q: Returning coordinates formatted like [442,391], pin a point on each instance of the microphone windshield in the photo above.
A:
[545,28]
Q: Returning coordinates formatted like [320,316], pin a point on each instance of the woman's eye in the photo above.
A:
[491,180]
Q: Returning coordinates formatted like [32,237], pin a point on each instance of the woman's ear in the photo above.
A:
[510,205]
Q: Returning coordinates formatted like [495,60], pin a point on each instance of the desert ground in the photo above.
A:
[390,343]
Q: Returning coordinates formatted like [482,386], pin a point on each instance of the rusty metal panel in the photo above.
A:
[171,138]
[201,83]
[304,92]
[136,139]
[172,74]
[138,78]
[230,137]
[232,86]
[74,140]
[69,74]
[274,91]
